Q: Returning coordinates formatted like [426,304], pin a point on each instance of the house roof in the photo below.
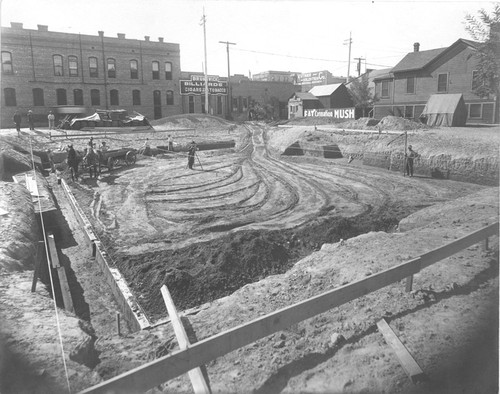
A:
[324,90]
[418,60]
[304,96]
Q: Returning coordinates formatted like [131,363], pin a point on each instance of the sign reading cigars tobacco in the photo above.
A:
[196,85]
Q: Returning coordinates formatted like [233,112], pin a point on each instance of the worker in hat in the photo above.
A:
[72,162]
[31,120]
[411,155]
[192,148]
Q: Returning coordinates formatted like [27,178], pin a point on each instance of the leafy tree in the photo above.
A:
[361,93]
[485,29]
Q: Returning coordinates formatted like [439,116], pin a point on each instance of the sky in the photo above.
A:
[279,35]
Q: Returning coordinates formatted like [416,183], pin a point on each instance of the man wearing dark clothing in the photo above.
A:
[17,121]
[410,157]
[73,162]
[191,152]
[31,120]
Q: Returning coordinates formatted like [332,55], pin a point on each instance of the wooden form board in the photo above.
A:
[61,273]
[198,381]
[406,360]
[168,367]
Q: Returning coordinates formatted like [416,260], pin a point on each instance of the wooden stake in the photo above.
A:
[118,323]
[409,283]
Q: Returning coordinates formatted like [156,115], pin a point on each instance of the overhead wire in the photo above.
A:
[50,271]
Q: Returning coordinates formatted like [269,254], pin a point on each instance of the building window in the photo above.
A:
[410,85]
[219,105]
[168,71]
[134,69]
[9,95]
[157,104]
[136,97]
[93,70]
[191,104]
[38,97]
[442,82]
[409,111]
[78,96]
[170,97]
[73,66]
[113,97]
[385,89]
[235,104]
[7,63]
[156,69]
[95,97]
[475,111]
[244,103]
[61,97]
[111,68]
[58,65]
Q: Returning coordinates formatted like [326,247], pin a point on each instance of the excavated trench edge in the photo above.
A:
[131,310]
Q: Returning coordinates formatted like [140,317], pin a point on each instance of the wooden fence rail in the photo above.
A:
[168,367]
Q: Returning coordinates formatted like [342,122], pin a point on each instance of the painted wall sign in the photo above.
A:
[196,85]
[342,113]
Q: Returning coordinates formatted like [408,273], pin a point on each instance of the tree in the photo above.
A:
[361,93]
[485,30]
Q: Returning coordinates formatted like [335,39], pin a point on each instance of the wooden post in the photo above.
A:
[118,323]
[405,158]
[485,244]
[409,283]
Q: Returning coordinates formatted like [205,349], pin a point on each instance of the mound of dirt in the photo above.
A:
[360,124]
[190,120]
[11,163]
[397,123]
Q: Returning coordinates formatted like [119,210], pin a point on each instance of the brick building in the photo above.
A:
[42,70]
[405,90]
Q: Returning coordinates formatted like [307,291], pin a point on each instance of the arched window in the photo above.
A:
[95,97]
[113,97]
[168,71]
[61,97]
[170,97]
[78,96]
[58,65]
[157,104]
[134,69]
[9,95]
[7,63]
[73,66]
[156,69]
[136,97]
[93,70]
[111,68]
[38,97]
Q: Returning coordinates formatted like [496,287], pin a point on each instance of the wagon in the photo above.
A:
[117,157]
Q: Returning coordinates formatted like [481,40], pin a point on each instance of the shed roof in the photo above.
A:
[304,96]
[324,90]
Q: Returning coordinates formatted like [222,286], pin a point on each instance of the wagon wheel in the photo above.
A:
[111,163]
[130,158]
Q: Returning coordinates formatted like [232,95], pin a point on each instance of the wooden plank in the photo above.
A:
[54,259]
[406,360]
[168,367]
[198,381]
[409,284]
[65,290]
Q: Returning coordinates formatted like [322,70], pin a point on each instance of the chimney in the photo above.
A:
[146,38]
[416,47]
[160,39]
[16,25]
[43,28]
[101,33]
[121,35]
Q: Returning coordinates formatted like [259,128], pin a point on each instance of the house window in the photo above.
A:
[58,65]
[410,85]
[409,111]
[168,71]
[73,66]
[95,97]
[113,97]
[475,111]
[170,97]
[235,104]
[156,69]
[7,63]
[191,104]
[244,103]
[9,95]
[111,68]
[93,71]
[475,80]
[134,73]
[136,97]
[442,82]
[385,89]
[78,96]
[61,97]
[38,97]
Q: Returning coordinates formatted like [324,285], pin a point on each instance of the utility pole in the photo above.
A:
[203,22]
[348,42]
[359,64]
[229,93]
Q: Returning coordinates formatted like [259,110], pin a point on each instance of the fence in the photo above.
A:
[168,367]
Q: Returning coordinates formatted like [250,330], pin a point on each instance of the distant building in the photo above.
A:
[42,70]
[333,96]
[308,80]
[405,90]
[301,101]
[276,76]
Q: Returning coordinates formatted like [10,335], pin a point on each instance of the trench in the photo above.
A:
[207,271]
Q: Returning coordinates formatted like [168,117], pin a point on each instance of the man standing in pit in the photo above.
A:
[51,117]
[17,121]
[192,148]
[31,120]
[410,157]
[72,162]
[170,143]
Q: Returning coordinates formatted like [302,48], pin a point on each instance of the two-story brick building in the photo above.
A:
[42,70]
[405,90]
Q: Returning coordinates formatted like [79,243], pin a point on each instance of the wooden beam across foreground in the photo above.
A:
[198,381]
[406,360]
[152,374]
